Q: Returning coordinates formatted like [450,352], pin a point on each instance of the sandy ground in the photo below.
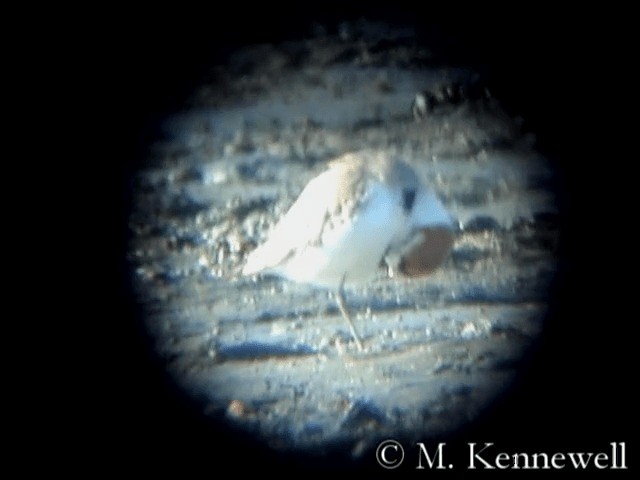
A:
[276,358]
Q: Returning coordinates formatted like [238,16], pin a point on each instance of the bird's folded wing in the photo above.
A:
[299,228]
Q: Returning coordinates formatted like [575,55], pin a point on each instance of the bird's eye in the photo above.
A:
[408,198]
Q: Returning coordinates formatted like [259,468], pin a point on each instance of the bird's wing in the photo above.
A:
[299,228]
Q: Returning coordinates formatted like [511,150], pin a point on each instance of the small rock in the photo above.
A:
[239,410]
[364,413]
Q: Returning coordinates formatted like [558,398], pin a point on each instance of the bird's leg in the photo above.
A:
[345,313]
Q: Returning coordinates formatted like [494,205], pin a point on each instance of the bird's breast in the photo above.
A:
[353,249]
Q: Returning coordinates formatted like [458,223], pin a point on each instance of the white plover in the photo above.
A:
[366,210]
